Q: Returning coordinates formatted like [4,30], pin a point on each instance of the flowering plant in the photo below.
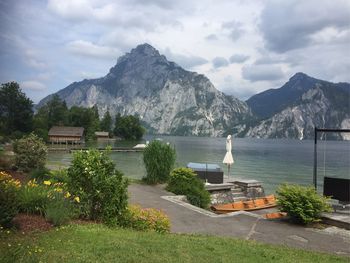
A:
[147,219]
[8,198]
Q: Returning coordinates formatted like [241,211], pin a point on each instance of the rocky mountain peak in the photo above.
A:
[167,98]
[299,76]
[145,49]
[141,58]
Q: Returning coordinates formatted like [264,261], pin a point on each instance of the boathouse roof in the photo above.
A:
[66,131]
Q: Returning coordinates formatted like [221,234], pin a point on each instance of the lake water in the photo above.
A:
[267,160]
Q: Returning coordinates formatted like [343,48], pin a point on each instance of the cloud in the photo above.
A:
[164,4]
[32,85]
[211,37]
[219,62]
[184,61]
[140,15]
[86,48]
[76,10]
[238,58]
[255,73]
[31,59]
[288,25]
[235,29]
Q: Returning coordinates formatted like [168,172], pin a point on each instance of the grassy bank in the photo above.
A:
[97,243]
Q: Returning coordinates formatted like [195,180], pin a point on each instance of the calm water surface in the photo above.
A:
[270,161]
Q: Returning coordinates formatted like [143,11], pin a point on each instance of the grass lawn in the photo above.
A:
[97,243]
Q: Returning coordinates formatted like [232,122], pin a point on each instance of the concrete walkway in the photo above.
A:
[244,226]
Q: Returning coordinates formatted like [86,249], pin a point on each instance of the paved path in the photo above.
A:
[184,220]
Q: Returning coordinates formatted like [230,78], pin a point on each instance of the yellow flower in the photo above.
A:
[77,199]
[47,183]
[67,195]
[32,183]
[58,190]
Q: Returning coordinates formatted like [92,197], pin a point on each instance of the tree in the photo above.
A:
[159,159]
[106,122]
[53,113]
[102,189]
[57,112]
[128,127]
[16,110]
[85,117]
[31,153]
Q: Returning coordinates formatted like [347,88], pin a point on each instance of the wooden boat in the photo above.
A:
[256,204]
[275,215]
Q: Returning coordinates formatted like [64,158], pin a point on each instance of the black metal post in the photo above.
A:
[315,159]
[315,148]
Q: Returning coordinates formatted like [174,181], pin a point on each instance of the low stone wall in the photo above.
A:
[237,190]
[251,188]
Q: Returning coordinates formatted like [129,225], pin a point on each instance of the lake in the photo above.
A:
[267,160]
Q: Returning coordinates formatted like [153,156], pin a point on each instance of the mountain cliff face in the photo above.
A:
[171,100]
[167,98]
[297,107]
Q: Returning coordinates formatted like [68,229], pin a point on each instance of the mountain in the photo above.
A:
[293,110]
[167,98]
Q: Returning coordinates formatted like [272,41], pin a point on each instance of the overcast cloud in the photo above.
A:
[243,47]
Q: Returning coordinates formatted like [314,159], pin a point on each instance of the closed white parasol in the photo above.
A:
[228,159]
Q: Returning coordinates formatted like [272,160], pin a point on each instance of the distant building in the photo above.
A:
[64,134]
[102,135]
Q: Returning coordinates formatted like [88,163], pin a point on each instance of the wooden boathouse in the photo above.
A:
[102,135]
[66,135]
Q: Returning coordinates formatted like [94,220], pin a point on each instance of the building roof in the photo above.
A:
[102,133]
[66,131]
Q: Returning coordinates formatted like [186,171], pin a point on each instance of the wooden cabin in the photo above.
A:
[101,135]
[65,134]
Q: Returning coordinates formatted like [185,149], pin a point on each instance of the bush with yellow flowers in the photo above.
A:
[50,199]
[33,198]
[146,219]
[8,198]
[102,189]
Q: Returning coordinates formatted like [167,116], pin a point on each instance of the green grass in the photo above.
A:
[97,243]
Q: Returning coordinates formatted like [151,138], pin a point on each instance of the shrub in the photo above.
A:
[183,181]
[8,199]
[59,209]
[7,162]
[59,176]
[302,204]
[159,159]
[33,198]
[198,197]
[40,174]
[146,219]
[102,189]
[31,153]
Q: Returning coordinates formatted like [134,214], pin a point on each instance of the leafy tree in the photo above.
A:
[102,189]
[31,153]
[57,112]
[106,122]
[85,117]
[159,159]
[53,113]
[128,127]
[16,110]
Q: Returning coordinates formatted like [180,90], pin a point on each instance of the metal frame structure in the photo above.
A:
[317,130]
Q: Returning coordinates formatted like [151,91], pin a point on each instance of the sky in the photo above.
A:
[243,47]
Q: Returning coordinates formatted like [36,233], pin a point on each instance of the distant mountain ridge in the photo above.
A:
[167,98]
[293,110]
[172,101]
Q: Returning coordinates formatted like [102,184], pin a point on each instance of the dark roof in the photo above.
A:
[102,133]
[66,131]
